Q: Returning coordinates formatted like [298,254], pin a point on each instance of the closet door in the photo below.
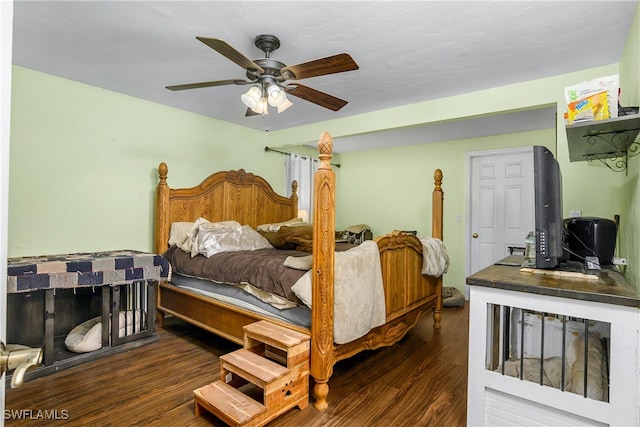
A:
[501,203]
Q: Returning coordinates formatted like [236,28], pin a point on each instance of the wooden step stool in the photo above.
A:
[275,359]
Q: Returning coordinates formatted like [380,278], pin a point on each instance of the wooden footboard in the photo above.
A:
[408,294]
[405,285]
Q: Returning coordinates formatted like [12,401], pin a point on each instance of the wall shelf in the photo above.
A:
[610,141]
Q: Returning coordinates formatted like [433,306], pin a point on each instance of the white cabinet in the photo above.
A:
[531,324]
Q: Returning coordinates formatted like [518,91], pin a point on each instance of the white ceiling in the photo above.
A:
[407,51]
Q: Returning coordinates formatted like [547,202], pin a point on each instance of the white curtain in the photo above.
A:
[301,168]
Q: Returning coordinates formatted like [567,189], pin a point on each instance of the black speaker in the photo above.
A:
[589,236]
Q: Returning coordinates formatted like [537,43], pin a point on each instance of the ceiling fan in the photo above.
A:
[269,78]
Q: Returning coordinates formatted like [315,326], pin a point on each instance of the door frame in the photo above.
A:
[6,42]
[471,155]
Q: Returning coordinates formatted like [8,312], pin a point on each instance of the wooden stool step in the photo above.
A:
[284,384]
[230,405]
[252,367]
[274,335]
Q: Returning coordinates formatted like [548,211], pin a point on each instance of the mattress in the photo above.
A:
[299,315]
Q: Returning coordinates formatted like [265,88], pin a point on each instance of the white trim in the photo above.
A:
[486,153]
[6,40]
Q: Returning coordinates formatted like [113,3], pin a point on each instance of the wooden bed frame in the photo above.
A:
[249,199]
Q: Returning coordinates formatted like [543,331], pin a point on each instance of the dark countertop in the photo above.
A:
[568,281]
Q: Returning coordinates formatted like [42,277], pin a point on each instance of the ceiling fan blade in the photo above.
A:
[320,67]
[206,84]
[250,113]
[227,50]
[320,98]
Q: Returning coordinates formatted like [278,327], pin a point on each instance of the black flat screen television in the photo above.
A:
[549,223]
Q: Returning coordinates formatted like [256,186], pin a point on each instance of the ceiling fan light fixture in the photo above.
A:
[276,95]
[286,104]
[261,107]
[251,98]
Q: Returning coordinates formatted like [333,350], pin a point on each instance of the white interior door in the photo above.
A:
[6,37]
[500,202]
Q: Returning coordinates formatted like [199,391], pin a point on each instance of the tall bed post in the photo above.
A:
[161,227]
[437,204]
[162,210]
[323,264]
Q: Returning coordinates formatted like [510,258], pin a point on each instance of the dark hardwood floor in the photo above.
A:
[420,381]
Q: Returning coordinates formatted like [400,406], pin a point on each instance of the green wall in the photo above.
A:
[630,212]
[83,163]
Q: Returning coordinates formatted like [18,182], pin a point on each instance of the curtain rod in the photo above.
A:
[288,154]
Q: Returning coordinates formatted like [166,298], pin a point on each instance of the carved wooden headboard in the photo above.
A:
[227,195]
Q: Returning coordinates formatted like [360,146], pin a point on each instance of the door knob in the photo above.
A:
[20,359]
[474,235]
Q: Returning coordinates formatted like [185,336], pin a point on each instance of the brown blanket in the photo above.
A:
[301,237]
[264,268]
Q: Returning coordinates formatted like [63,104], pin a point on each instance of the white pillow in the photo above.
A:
[276,225]
[224,224]
[179,233]
[215,240]
[299,262]
[191,244]
[87,336]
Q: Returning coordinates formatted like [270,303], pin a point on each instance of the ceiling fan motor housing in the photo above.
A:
[267,43]
[270,66]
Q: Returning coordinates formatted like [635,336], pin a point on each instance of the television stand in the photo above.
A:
[517,317]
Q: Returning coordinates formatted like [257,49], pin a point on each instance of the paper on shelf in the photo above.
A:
[610,84]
